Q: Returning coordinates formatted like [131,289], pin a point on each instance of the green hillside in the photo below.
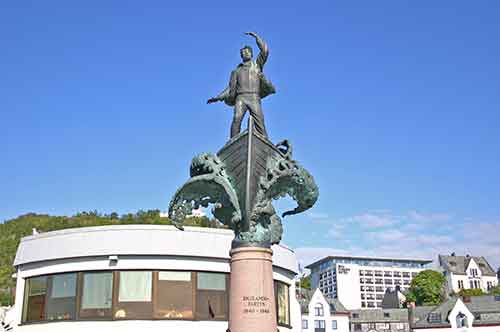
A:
[11,232]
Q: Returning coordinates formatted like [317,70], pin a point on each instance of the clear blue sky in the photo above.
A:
[394,106]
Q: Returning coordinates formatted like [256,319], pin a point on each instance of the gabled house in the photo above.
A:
[320,314]
[467,272]
[478,313]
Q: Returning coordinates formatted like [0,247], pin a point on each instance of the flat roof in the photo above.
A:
[368,258]
[137,240]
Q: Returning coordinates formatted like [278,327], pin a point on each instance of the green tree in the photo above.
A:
[305,282]
[471,292]
[427,288]
[495,290]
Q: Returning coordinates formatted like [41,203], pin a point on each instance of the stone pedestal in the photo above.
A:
[251,300]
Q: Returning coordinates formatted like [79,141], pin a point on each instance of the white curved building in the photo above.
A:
[135,278]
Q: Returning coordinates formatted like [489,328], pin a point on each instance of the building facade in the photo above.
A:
[135,278]
[320,314]
[474,313]
[467,272]
[361,282]
[380,320]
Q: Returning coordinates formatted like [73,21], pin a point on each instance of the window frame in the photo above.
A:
[80,297]
[275,285]
[115,280]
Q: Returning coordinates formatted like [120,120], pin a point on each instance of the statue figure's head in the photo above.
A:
[246,53]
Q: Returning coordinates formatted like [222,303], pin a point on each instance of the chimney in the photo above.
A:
[453,254]
[411,314]
[467,255]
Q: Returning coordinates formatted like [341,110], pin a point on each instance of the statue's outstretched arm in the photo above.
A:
[220,97]
[264,49]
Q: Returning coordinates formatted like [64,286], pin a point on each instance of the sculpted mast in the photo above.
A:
[247,86]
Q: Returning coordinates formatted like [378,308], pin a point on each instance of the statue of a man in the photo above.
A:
[247,86]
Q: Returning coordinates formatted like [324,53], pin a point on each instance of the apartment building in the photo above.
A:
[360,282]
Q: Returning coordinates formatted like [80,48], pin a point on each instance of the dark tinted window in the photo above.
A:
[61,297]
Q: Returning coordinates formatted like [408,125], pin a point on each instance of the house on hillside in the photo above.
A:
[467,272]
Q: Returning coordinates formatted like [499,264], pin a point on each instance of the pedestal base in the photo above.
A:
[251,302]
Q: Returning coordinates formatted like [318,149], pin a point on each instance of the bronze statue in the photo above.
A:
[249,172]
[247,86]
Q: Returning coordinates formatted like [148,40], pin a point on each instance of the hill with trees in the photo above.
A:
[11,232]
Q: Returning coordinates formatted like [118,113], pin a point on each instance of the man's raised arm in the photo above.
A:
[264,49]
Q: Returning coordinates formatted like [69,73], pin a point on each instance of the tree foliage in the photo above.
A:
[427,288]
[305,282]
[11,232]
[471,292]
[495,290]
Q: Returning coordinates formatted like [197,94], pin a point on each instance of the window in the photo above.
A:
[371,326]
[489,285]
[175,295]
[460,284]
[476,284]
[387,315]
[383,326]
[211,296]
[34,299]
[282,292]
[471,283]
[97,295]
[61,297]
[334,324]
[133,295]
[370,304]
[363,304]
[400,326]
[357,327]
[318,310]
[355,315]
[434,317]
[319,324]
[304,324]
[461,320]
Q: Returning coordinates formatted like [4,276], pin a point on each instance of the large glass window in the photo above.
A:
[34,299]
[133,297]
[97,295]
[61,299]
[211,296]
[282,293]
[175,295]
